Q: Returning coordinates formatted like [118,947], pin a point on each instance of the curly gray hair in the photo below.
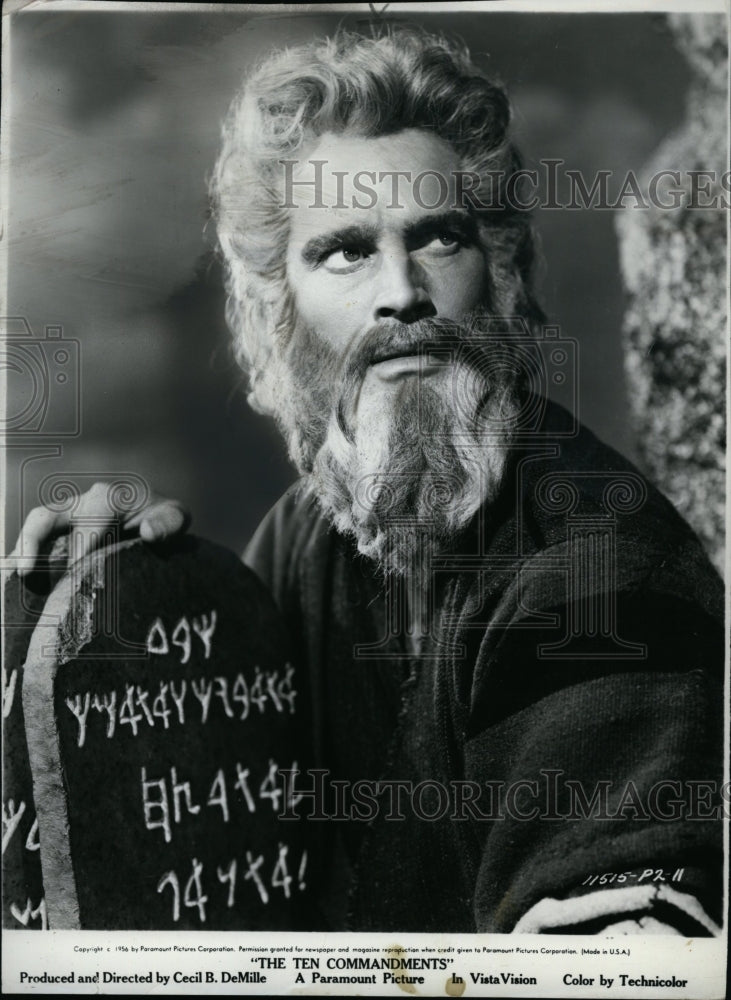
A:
[367,87]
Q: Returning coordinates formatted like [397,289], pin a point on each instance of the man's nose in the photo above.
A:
[402,292]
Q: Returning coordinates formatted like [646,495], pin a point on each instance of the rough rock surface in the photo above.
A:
[674,268]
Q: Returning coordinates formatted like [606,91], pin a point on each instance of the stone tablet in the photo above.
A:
[23,901]
[157,716]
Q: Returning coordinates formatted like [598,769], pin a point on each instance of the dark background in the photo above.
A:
[113,128]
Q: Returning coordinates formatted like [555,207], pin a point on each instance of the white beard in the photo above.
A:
[403,467]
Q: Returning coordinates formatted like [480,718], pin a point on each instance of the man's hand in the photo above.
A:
[95,512]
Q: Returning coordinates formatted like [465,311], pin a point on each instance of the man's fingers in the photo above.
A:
[162,519]
[41,525]
[91,522]
[87,519]
[97,512]
[86,537]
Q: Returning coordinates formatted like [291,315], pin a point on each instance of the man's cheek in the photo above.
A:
[335,308]
[460,284]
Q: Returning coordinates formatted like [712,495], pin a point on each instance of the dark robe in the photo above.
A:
[573,675]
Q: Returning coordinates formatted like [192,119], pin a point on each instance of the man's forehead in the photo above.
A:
[348,175]
[408,149]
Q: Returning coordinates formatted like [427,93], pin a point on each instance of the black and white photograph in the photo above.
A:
[364,433]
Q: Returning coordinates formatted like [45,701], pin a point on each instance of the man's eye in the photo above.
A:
[346,258]
[444,243]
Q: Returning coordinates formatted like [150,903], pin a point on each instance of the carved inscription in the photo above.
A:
[181,636]
[166,799]
[169,759]
[265,878]
[24,905]
[166,705]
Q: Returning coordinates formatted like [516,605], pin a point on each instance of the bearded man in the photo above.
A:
[490,604]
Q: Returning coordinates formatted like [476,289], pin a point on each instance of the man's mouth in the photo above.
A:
[397,364]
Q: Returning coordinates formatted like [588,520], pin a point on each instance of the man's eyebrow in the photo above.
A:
[462,222]
[358,235]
